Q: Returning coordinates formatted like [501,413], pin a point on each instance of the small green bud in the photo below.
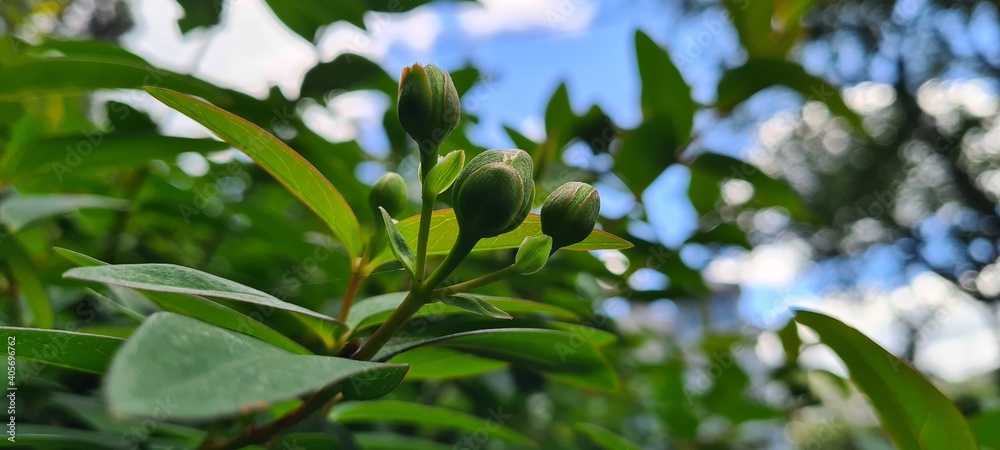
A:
[389,192]
[533,254]
[570,213]
[429,107]
[493,193]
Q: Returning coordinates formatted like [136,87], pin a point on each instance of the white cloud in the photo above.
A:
[417,30]
[490,17]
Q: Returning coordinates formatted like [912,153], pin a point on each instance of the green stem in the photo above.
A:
[353,287]
[419,295]
[475,282]
[428,161]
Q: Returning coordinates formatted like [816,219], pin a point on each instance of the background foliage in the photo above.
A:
[883,170]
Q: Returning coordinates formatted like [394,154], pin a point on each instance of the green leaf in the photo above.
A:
[430,417]
[605,438]
[204,309]
[791,342]
[390,441]
[19,211]
[26,275]
[306,17]
[77,351]
[177,368]
[375,310]
[664,92]
[183,280]
[288,167]
[44,437]
[64,156]
[986,427]
[914,413]
[739,84]
[446,231]
[72,76]
[444,173]
[438,363]
[562,356]
[708,171]
[347,72]
[475,305]
[520,141]
[645,152]
[199,14]
[400,248]
[533,254]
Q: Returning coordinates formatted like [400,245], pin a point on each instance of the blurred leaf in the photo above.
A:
[347,72]
[26,274]
[203,309]
[77,351]
[521,141]
[708,171]
[605,438]
[753,24]
[646,152]
[204,372]
[727,233]
[375,310]
[986,427]
[560,355]
[446,231]
[664,92]
[428,416]
[791,342]
[183,280]
[199,13]
[436,363]
[306,17]
[911,409]
[44,437]
[87,49]
[288,167]
[19,211]
[390,441]
[68,75]
[65,155]
[475,305]
[739,84]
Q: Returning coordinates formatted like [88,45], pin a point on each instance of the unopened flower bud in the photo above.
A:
[389,192]
[429,107]
[570,213]
[493,193]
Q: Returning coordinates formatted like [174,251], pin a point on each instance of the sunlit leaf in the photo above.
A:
[475,305]
[288,167]
[20,211]
[914,413]
[375,310]
[438,363]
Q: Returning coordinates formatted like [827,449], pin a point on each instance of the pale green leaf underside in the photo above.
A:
[71,350]
[20,211]
[178,368]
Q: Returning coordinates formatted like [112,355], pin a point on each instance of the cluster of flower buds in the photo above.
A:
[570,213]
[493,193]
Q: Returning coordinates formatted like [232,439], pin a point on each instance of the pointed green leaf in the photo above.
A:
[183,280]
[475,305]
[203,309]
[78,351]
[438,363]
[20,211]
[664,91]
[914,413]
[444,173]
[563,356]
[400,248]
[741,83]
[532,254]
[446,231]
[427,416]
[605,438]
[283,163]
[375,310]
[178,368]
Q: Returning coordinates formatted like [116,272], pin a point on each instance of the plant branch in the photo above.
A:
[466,286]
[257,435]
[353,287]
[426,210]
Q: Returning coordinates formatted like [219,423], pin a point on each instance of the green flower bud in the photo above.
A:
[570,213]
[493,193]
[389,192]
[429,107]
